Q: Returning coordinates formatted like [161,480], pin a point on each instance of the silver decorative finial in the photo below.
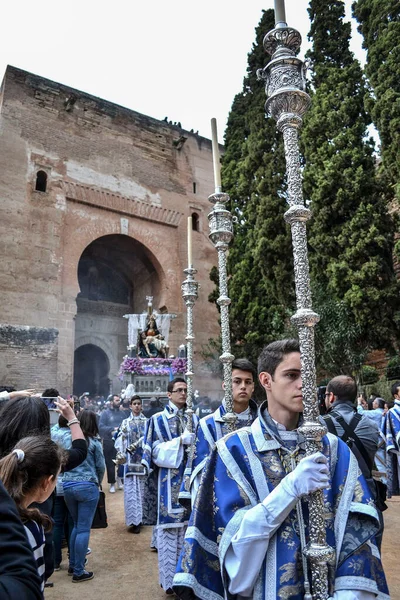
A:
[190,294]
[287,102]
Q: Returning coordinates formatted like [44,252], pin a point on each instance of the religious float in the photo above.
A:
[148,365]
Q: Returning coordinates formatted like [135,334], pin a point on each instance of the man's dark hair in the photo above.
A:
[22,417]
[273,354]
[343,387]
[135,398]
[171,384]
[243,364]
[50,393]
[88,423]
[395,388]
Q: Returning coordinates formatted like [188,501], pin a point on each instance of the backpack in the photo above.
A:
[378,489]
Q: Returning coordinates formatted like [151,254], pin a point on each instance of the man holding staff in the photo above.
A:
[249,525]
[213,427]
[165,441]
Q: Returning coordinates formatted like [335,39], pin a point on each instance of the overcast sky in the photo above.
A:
[179,59]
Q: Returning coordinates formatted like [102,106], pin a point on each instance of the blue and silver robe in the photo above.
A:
[164,427]
[391,433]
[130,432]
[241,471]
[211,429]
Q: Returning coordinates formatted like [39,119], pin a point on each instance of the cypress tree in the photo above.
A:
[259,262]
[351,233]
[379,23]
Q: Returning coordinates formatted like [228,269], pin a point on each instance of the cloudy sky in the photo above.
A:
[175,58]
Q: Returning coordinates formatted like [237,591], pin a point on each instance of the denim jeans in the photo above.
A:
[63,524]
[81,501]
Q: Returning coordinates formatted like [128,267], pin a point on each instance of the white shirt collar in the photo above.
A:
[173,406]
[243,415]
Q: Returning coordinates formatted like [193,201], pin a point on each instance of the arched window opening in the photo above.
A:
[41,181]
[195,222]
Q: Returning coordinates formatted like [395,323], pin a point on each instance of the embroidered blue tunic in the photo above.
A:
[391,433]
[131,431]
[164,427]
[211,429]
[241,471]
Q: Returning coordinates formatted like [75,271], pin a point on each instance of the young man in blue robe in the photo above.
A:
[391,433]
[249,523]
[164,449]
[213,427]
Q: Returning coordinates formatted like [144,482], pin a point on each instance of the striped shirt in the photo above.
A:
[35,534]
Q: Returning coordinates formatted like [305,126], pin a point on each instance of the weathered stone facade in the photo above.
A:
[94,200]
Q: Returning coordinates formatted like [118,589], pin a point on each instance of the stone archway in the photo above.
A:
[115,274]
[91,371]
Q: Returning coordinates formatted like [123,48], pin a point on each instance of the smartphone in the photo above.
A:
[49,401]
[77,406]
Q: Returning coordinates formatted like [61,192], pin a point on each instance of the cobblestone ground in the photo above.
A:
[124,566]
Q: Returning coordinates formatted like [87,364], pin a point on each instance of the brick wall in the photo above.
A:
[28,357]
[111,171]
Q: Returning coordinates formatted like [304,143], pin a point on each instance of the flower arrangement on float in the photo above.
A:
[156,367]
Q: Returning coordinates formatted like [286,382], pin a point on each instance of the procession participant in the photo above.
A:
[213,427]
[391,431]
[129,446]
[110,420]
[249,525]
[165,442]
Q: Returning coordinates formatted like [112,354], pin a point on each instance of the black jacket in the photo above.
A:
[109,420]
[19,578]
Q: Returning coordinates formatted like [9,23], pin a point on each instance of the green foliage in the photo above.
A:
[379,23]
[381,388]
[210,353]
[339,343]
[259,263]
[351,234]
[368,375]
[393,368]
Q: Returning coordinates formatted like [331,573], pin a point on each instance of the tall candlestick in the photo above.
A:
[215,151]
[287,102]
[280,15]
[189,241]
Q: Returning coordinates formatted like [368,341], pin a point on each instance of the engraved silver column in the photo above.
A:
[221,234]
[190,294]
[287,102]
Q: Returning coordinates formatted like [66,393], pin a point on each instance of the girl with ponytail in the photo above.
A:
[29,473]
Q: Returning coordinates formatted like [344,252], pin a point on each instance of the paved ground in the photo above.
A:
[122,562]
[125,567]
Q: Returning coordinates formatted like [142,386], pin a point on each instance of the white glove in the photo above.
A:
[310,475]
[187,438]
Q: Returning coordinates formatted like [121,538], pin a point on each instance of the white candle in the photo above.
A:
[280,15]
[215,151]
[189,241]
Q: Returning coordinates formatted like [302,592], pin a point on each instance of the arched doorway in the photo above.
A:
[115,274]
[91,371]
